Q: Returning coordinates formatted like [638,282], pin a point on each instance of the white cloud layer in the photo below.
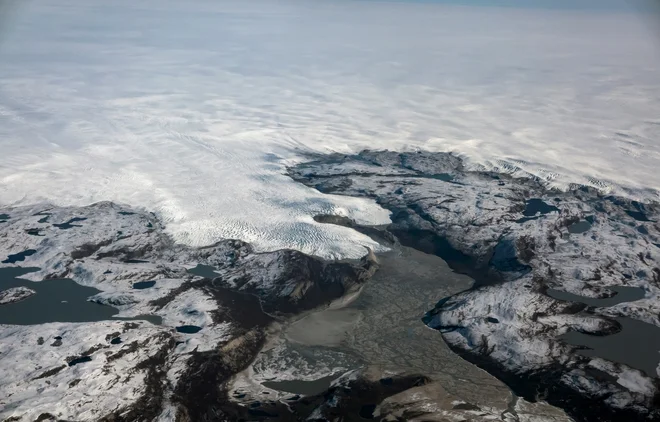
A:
[192,109]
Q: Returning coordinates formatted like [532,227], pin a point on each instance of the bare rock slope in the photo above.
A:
[546,264]
[214,317]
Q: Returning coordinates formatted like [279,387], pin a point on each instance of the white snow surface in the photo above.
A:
[515,323]
[97,246]
[15,294]
[193,109]
[84,392]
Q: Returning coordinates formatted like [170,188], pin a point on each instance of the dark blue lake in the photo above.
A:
[59,300]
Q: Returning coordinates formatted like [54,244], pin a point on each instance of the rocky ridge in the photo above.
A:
[217,304]
[518,240]
[212,325]
[209,312]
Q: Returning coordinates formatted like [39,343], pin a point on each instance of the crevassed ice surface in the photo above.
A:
[193,109]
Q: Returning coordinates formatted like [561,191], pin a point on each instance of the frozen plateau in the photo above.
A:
[325,210]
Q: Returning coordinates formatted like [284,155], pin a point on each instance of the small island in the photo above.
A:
[15,294]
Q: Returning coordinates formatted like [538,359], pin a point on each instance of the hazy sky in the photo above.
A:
[593,5]
[192,109]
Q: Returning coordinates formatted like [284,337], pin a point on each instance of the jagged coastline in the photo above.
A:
[519,241]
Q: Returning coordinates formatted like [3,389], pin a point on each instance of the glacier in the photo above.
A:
[195,110]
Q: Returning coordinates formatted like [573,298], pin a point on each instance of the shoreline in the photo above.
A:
[503,236]
[482,224]
[385,342]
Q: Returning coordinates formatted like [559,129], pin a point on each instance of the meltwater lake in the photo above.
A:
[58,300]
